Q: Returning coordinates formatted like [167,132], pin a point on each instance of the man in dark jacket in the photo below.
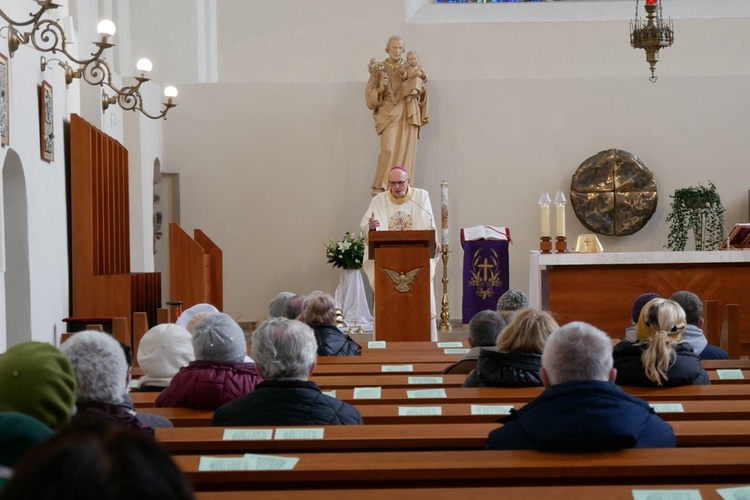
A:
[581,408]
[284,351]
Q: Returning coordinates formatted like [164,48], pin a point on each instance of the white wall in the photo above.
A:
[279,155]
[45,183]
[45,193]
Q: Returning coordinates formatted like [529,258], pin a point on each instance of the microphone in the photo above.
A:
[428,212]
[432,223]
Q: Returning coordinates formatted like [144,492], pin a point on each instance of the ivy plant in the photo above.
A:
[697,209]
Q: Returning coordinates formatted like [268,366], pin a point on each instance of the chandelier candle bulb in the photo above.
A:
[444,213]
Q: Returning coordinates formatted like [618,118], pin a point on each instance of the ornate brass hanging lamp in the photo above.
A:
[651,34]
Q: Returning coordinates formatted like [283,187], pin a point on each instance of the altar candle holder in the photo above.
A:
[545,242]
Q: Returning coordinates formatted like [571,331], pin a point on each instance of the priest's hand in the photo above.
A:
[374,223]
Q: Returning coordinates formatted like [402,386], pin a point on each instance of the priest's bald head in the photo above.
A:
[398,182]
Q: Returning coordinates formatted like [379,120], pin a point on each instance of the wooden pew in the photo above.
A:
[400,437]
[412,347]
[381,356]
[725,364]
[612,492]
[373,368]
[497,395]
[492,395]
[460,413]
[409,469]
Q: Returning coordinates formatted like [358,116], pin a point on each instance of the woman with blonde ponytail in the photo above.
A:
[658,357]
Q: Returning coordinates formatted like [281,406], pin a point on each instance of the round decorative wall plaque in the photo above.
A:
[613,193]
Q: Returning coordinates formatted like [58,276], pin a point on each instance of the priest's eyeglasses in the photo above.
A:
[397,183]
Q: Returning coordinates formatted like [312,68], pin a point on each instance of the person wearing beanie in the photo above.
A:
[635,313]
[191,311]
[219,373]
[319,312]
[18,434]
[102,374]
[36,379]
[163,350]
[510,302]
[580,409]
[190,326]
[278,305]
[659,357]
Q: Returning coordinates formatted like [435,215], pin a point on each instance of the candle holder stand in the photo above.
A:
[561,244]
[445,315]
[545,244]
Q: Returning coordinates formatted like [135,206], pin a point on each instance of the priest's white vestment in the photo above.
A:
[412,212]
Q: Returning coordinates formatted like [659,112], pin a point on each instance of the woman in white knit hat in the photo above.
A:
[163,350]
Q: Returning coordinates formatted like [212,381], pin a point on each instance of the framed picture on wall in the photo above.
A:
[46,121]
[4,98]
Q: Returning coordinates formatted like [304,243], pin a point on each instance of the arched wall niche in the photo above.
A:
[14,246]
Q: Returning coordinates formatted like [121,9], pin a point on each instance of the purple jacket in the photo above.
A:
[206,385]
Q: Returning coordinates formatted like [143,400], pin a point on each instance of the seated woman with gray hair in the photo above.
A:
[285,354]
[319,312]
[102,373]
[219,373]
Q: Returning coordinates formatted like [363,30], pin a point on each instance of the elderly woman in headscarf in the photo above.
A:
[659,357]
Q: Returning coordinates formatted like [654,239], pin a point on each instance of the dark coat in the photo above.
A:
[686,368]
[506,369]
[331,342]
[206,385]
[582,416]
[286,402]
[114,413]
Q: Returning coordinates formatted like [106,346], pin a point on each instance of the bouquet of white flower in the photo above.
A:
[347,253]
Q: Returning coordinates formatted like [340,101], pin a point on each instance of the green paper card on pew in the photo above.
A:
[667,495]
[410,411]
[247,434]
[367,392]
[248,462]
[397,368]
[426,393]
[463,350]
[491,409]
[425,380]
[449,344]
[730,374]
[299,433]
[667,407]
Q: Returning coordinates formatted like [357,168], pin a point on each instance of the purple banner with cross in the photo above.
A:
[485,277]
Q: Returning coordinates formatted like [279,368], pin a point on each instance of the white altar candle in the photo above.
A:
[560,213]
[444,212]
[544,203]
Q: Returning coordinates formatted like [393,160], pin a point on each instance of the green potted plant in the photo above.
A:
[698,209]
[348,253]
